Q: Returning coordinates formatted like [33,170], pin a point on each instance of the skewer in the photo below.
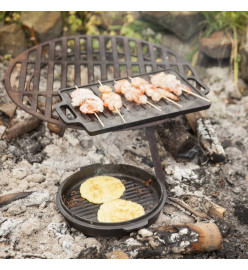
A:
[166,98]
[94,113]
[191,93]
[120,115]
[116,108]
[179,105]
[99,119]
[153,106]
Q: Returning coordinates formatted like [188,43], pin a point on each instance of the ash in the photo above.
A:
[39,161]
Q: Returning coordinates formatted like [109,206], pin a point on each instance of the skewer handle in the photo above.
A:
[100,82]
[191,93]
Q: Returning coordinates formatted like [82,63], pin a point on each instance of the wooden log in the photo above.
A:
[176,239]
[56,129]
[21,128]
[178,141]
[8,198]
[117,254]
[8,109]
[193,117]
[190,209]
[201,125]
[216,210]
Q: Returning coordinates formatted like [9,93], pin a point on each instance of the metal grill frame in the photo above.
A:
[157,57]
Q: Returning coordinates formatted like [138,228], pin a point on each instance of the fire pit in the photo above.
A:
[104,58]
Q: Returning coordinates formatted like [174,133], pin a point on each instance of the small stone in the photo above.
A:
[46,24]
[12,39]
[118,254]
[66,238]
[51,149]
[30,226]
[37,198]
[90,242]
[36,178]
[19,173]
[15,209]
[183,23]
[9,225]
[3,146]
[48,255]
[58,229]
[217,46]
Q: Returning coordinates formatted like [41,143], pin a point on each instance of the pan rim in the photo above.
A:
[126,225]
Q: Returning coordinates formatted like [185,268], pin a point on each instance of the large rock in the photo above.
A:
[46,24]
[183,23]
[12,39]
[217,46]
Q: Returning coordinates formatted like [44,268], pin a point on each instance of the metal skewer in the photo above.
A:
[191,93]
[116,108]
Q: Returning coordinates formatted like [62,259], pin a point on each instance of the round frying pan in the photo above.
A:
[82,215]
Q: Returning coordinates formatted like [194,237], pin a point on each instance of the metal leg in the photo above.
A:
[159,172]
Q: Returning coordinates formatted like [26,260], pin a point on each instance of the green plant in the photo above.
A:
[10,16]
[234,23]
[224,20]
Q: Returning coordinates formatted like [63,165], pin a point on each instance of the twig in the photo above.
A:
[187,207]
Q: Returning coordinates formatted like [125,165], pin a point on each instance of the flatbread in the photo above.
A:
[102,189]
[119,210]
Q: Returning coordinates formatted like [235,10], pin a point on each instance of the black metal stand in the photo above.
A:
[159,172]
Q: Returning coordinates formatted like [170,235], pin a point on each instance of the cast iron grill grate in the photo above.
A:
[35,76]
[133,114]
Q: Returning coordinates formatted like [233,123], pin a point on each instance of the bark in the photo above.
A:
[201,125]
[21,128]
[178,141]
[56,129]
[8,198]
[176,239]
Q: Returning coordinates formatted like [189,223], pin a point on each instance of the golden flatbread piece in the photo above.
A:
[119,210]
[102,189]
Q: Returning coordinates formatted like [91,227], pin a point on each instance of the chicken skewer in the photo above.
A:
[131,93]
[155,93]
[110,98]
[171,83]
[89,103]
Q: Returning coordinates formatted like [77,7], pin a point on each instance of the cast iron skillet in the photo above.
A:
[82,215]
